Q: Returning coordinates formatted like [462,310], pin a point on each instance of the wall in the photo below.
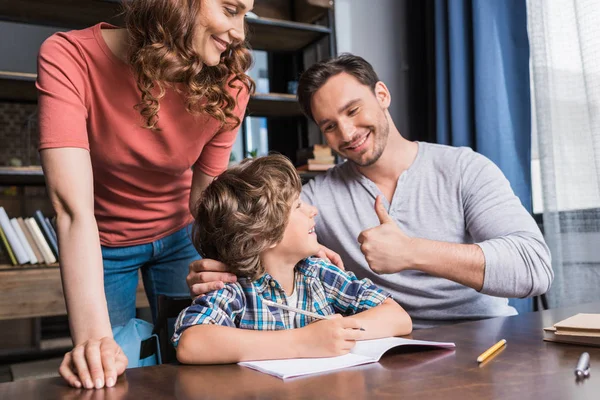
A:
[19,45]
[373,30]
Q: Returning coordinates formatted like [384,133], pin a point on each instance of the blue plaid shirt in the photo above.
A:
[322,288]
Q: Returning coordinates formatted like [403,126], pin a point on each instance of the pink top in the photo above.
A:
[142,178]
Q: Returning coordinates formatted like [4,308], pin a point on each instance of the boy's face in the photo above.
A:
[299,237]
[352,118]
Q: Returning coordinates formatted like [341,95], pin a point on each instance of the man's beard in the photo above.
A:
[379,137]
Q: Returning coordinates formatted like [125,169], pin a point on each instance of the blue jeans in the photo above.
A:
[164,264]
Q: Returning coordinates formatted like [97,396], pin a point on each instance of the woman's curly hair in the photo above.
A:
[161,53]
[245,211]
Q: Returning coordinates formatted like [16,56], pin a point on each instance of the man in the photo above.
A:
[437,226]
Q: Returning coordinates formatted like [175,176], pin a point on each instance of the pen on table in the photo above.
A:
[298,310]
[583,366]
[491,350]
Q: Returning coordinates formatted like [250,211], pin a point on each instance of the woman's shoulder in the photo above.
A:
[69,42]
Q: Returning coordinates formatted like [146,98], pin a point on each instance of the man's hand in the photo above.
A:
[333,257]
[385,247]
[207,275]
[330,338]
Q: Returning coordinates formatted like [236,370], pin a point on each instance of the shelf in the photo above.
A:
[26,267]
[279,35]
[265,33]
[60,13]
[308,175]
[21,296]
[27,176]
[17,86]
[273,105]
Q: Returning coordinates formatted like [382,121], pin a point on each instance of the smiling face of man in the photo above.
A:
[352,117]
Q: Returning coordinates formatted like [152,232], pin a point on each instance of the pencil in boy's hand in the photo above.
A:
[298,310]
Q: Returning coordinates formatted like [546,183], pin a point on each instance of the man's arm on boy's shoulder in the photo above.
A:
[378,314]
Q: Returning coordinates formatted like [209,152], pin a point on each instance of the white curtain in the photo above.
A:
[564,38]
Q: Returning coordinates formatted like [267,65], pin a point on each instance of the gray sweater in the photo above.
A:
[448,194]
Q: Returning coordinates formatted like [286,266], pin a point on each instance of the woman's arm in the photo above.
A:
[215,344]
[200,181]
[387,319]
[93,361]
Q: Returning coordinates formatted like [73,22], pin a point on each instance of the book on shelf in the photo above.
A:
[9,251]
[322,158]
[38,236]
[12,238]
[23,240]
[30,240]
[52,229]
[321,161]
[319,167]
[46,230]
[321,150]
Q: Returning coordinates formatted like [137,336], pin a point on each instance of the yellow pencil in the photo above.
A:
[491,350]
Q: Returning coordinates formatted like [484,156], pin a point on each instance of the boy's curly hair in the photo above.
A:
[245,211]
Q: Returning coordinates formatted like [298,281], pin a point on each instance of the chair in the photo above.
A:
[168,308]
[540,299]
[539,219]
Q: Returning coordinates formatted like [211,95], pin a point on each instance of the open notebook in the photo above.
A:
[365,352]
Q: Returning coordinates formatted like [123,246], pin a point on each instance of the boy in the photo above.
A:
[251,218]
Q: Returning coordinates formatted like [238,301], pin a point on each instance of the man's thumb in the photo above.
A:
[381,212]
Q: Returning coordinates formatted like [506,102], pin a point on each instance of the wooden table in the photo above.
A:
[527,368]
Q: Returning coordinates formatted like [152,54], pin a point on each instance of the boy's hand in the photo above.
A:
[207,275]
[333,257]
[332,337]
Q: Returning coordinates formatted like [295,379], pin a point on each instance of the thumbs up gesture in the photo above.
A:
[385,246]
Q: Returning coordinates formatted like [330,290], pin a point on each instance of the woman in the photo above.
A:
[134,124]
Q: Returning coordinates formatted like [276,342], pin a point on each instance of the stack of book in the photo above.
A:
[28,240]
[581,329]
[322,159]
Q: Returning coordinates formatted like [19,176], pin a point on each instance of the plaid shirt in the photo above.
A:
[322,288]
